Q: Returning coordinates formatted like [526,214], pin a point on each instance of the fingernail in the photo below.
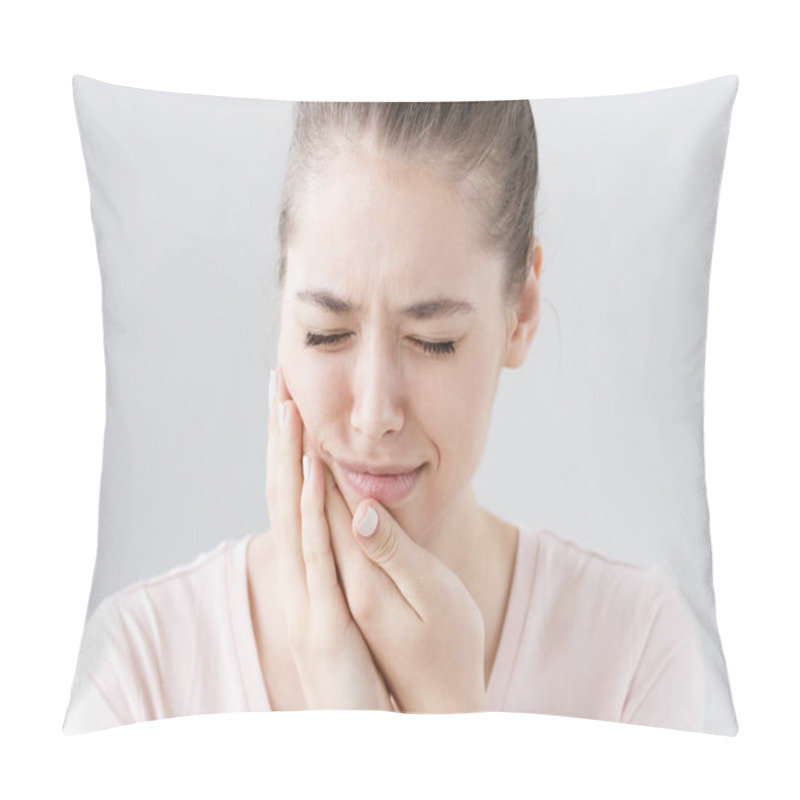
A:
[271,386]
[368,523]
[284,410]
[305,467]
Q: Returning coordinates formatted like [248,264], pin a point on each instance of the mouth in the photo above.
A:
[390,486]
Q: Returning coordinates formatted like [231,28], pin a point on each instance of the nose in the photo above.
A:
[377,391]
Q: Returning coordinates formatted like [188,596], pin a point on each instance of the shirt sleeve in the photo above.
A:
[107,690]
[666,688]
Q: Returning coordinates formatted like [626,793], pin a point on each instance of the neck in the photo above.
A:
[481,549]
[463,536]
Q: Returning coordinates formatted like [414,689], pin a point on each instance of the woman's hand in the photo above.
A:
[421,623]
[333,661]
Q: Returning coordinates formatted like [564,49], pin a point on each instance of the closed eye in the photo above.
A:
[434,348]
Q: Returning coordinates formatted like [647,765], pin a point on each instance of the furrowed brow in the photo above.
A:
[327,301]
[439,307]
[426,309]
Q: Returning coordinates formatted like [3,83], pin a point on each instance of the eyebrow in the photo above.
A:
[426,309]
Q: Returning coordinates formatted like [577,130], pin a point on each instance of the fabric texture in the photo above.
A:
[597,437]
[583,636]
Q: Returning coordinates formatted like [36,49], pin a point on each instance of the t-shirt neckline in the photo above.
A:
[507,648]
[511,631]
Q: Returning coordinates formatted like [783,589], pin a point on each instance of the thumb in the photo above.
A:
[386,544]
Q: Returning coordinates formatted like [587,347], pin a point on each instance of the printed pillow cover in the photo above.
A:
[310,332]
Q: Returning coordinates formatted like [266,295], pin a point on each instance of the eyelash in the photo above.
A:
[433,348]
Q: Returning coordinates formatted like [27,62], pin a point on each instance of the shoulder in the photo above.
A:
[147,647]
[195,580]
[200,569]
[625,628]
[146,617]
[587,586]
[571,567]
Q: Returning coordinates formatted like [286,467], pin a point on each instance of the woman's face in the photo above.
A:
[393,333]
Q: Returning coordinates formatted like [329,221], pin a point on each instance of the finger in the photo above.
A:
[289,481]
[407,564]
[272,447]
[277,394]
[291,581]
[324,591]
[345,550]
[357,571]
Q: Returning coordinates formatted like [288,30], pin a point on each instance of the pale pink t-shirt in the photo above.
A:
[584,636]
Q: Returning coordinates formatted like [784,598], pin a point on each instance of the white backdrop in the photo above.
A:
[54,402]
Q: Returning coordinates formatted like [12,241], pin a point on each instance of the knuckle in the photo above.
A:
[290,526]
[362,607]
[385,550]
[315,555]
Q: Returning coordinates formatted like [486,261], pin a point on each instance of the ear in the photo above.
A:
[523,318]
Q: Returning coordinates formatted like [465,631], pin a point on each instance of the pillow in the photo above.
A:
[551,555]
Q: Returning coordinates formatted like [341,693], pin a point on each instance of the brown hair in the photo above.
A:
[486,148]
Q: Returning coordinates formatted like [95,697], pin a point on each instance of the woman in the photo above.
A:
[409,278]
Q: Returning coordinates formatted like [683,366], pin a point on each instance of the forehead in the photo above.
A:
[369,224]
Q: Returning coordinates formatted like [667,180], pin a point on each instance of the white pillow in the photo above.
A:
[597,437]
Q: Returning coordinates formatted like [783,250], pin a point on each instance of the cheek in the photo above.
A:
[466,423]
[457,416]
[306,374]
[466,415]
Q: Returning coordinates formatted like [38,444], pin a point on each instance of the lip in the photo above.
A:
[389,486]
[368,469]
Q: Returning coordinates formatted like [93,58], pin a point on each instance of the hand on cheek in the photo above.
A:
[423,627]
[333,662]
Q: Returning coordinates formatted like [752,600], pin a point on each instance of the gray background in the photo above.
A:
[599,436]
